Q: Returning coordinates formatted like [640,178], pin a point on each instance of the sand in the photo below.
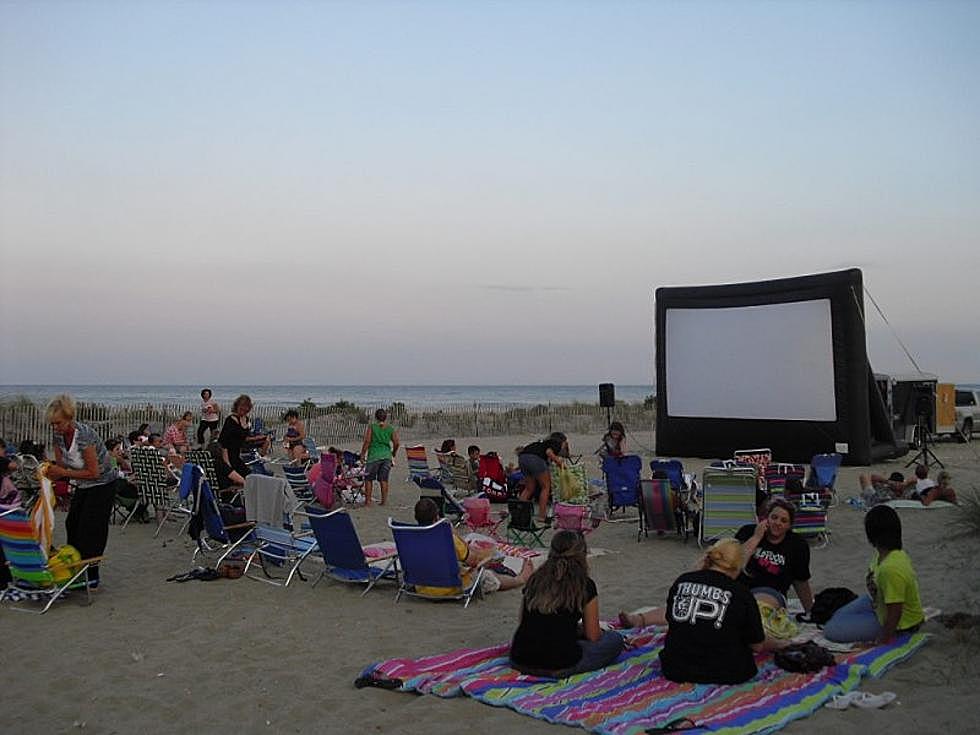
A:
[240,656]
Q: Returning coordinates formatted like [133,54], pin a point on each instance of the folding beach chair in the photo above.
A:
[157,486]
[521,527]
[427,479]
[575,517]
[622,481]
[349,484]
[207,519]
[427,557]
[811,521]
[779,473]
[418,466]
[729,501]
[823,474]
[27,560]
[344,558]
[203,459]
[296,476]
[687,498]
[277,547]
[758,458]
[479,517]
[659,509]
[492,479]
[454,471]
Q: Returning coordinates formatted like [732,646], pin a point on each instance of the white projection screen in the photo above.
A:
[771,361]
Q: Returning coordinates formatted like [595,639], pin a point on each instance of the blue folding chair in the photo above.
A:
[207,522]
[343,554]
[427,557]
[623,481]
[295,475]
[823,473]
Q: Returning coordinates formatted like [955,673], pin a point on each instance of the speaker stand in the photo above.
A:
[925,455]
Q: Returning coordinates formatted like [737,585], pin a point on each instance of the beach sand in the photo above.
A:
[150,656]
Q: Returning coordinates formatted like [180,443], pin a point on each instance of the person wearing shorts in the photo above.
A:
[533,461]
[378,452]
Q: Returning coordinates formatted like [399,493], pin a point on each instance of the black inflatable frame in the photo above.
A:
[856,395]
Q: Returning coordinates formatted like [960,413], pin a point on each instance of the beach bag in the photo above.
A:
[64,563]
[572,482]
[826,603]
[804,658]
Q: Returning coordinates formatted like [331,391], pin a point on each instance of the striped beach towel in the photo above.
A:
[631,695]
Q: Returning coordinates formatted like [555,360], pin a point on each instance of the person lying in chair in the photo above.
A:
[470,557]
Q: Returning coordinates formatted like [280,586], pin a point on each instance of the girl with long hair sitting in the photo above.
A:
[559,633]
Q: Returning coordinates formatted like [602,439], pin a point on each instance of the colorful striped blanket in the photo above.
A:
[631,695]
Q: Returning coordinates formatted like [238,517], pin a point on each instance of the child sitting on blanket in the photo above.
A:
[470,557]
[559,633]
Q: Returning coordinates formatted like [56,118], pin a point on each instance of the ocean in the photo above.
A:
[421,396]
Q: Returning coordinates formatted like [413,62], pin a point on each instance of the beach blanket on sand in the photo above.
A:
[631,695]
[917,505]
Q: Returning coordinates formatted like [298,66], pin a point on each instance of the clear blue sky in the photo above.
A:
[445,192]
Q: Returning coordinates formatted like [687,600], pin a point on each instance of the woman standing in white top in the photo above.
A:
[210,416]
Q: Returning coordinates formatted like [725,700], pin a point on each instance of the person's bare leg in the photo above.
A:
[544,496]
[864,481]
[510,583]
[368,489]
[384,491]
[528,492]
[657,616]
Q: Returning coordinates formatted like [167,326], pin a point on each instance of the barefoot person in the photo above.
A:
[470,557]
[378,453]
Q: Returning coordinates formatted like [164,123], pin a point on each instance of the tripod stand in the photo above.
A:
[925,455]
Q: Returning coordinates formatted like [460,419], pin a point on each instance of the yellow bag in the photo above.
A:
[64,563]
[573,484]
[777,622]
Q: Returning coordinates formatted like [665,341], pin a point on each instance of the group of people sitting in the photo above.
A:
[879,489]
[715,613]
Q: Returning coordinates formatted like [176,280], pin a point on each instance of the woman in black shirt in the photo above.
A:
[776,558]
[533,461]
[549,640]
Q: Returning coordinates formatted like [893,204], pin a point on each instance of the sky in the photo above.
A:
[470,193]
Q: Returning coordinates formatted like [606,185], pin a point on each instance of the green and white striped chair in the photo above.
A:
[729,501]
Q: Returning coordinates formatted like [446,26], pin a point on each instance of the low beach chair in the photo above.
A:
[157,486]
[203,459]
[729,501]
[823,473]
[344,557]
[27,560]
[491,478]
[622,476]
[479,516]
[207,521]
[427,557]
[687,496]
[270,505]
[574,517]
[427,479]
[660,509]
[521,527]
[296,476]
[454,471]
[758,458]
[349,484]
[811,521]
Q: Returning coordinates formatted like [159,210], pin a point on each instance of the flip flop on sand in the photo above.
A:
[864,700]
